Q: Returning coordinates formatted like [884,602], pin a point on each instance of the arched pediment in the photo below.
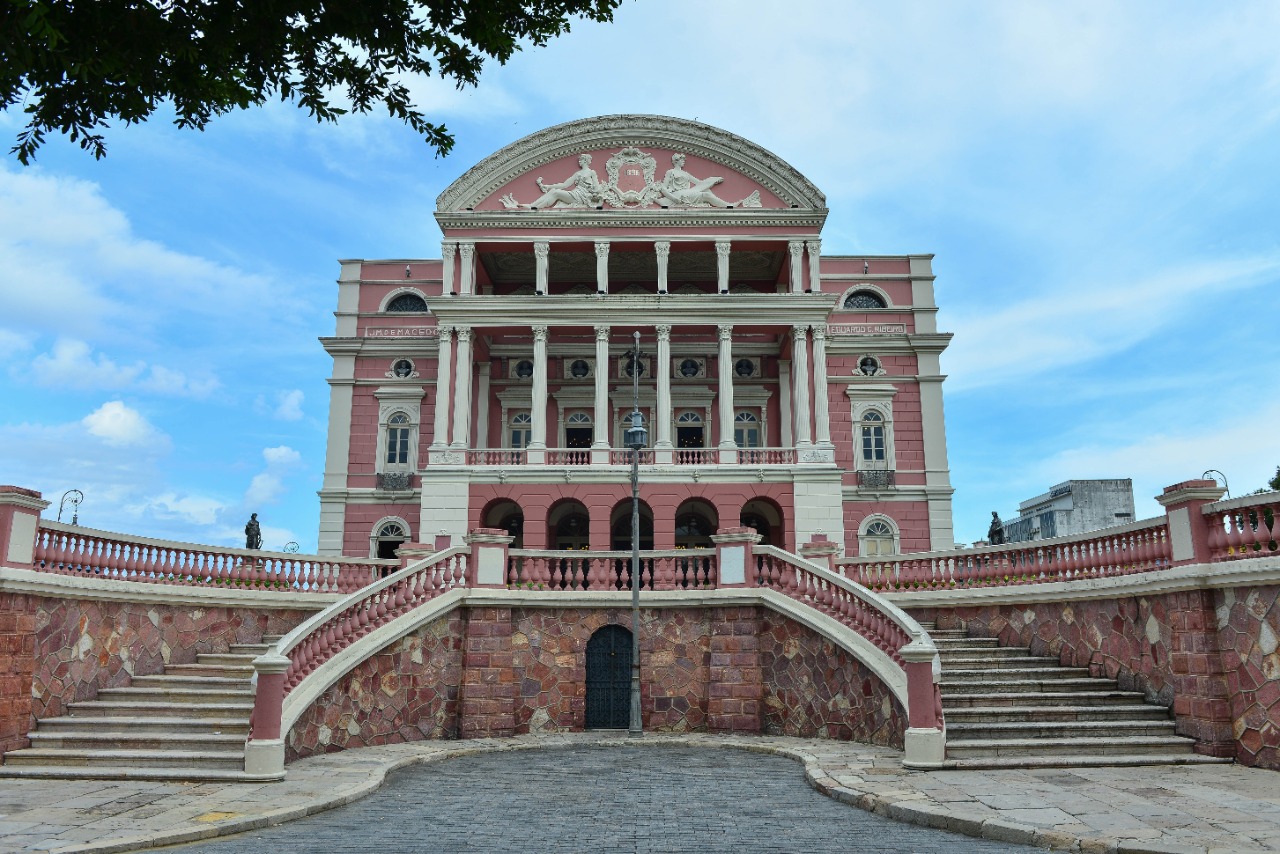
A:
[637,165]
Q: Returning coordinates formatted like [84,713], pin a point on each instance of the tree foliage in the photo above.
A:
[1274,483]
[78,65]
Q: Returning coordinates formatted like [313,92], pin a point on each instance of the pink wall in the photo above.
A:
[912,518]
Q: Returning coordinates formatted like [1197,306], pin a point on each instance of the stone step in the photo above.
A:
[952,686]
[1080,760]
[229,760]
[155,724]
[90,740]
[1010,674]
[1008,714]
[226,659]
[170,682]
[177,695]
[210,670]
[187,774]
[1003,662]
[1021,699]
[1121,745]
[993,652]
[1042,729]
[976,643]
[151,708]
[254,649]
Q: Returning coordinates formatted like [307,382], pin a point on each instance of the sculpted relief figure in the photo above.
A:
[582,189]
[631,187]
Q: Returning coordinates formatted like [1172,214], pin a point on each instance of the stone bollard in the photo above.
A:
[735,560]
[821,551]
[488,564]
[264,751]
[19,520]
[925,741]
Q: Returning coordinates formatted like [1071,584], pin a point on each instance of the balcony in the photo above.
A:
[622,457]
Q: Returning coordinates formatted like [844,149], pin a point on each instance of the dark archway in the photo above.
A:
[765,517]
[507,515]
[620,527]
[569,526]
[696,521]
[609,678]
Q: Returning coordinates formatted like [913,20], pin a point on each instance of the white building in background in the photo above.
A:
[1072,507]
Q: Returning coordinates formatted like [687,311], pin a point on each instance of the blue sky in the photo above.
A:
[1099,182]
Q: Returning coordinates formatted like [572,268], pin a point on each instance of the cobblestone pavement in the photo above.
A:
[1214,809]
[604,800]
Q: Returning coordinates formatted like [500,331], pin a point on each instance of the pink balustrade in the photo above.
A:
[1243,528]
[766,456]
[496,457]
[622,457]
[1109,553]
[326,634]
[679,569]
[568,457]
[697,456]
[88,553]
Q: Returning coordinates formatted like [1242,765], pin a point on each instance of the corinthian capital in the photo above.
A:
[602,249]
[539,333]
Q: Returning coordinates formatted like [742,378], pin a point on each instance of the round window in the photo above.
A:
[579,368]
[402,368]
[689,368]
[744,368]
[633,366]
[524,369]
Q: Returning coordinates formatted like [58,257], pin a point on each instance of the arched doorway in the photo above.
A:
[388,536]
[765,517]
[569,527]
[609,678]
[620,527]
[696,521]
[508,516]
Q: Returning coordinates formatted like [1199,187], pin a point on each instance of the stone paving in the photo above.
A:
[1213,809]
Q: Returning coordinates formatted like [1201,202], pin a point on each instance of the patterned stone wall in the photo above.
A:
[1211,656]
[812,688]
[1248,621]
[406,692]
[17,666]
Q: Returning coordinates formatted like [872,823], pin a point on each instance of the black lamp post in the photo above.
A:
[635,437]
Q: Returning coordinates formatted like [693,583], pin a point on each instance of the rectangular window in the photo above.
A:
[398,445]
[873,444]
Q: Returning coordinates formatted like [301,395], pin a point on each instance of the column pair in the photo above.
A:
[466,279]
[800,402]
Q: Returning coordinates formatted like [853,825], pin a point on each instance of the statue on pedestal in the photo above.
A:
[253,533]
[995,534]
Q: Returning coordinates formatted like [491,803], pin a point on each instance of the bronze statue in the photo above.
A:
[995,534]
[252,533]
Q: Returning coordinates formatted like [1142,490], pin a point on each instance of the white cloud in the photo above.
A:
[12,343]
[118,425]
[265,488]
[194,509]
[72,364]
[289,405]
[281,456]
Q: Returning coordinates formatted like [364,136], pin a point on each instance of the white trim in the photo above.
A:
[867,522]
[374,539]
[396,292]
[407,401]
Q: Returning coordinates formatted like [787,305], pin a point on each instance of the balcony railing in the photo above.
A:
[568,457]
[697,456]
[877,479]
[766,456]
[496,457]
[622,457]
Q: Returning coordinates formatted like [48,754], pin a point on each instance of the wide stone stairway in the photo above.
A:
[1006,708]
[188,723]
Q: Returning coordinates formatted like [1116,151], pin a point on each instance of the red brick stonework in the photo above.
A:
[814,688]
[17,666]
[407,692]
[1210,655]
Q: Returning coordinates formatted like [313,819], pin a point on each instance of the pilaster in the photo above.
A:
[662,447]
[462,392]
[444,375]
[728,448]
[662,249]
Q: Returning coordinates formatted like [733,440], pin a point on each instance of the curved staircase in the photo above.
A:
[188,723]
[1006,708]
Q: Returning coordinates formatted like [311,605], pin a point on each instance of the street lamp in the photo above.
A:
[1210,474]
[74,497]
[635,437]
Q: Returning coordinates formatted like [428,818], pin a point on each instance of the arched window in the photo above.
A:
[398,432]
[579,419]
[864,299]
[578,432]
[407,302]
[521,430]
[746,430]
[387,536]
[689,430]
[872,440]
[878,536]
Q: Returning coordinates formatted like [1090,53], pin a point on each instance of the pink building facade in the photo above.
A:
[795,393]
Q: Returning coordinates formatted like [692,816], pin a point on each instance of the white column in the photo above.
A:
[821,408]
[482,405]
[462,391]
[815,275]
[728,448]
[800,384]
[447,285]
[538,400]
[602,266]
[467,256]
[662,249]
[787,439]
[444,374]
[796,248]
[602,428]
[540,253]
[722,265]
[662,448]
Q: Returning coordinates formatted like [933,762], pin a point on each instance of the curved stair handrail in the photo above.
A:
[886,626]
